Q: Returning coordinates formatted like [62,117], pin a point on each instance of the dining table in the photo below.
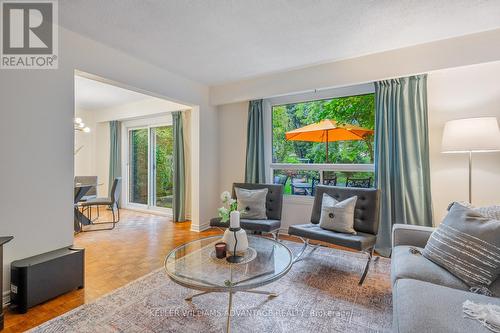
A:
[81,219]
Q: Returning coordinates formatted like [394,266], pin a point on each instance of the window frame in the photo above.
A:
[316,95]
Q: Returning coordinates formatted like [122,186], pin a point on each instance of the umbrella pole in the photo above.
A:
[327,146]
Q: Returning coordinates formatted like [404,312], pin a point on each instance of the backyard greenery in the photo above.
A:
[139,165]
[356,110]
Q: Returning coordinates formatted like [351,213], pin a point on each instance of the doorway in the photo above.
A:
[149,169]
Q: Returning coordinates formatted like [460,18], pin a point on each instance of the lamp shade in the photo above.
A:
[471,135]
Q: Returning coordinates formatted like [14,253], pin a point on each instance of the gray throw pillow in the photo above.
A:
[338,216]
[467,244]
[252,203]
[488,211]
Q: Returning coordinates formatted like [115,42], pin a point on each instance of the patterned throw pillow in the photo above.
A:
[338,216]
[252,203]
[488,211]
[467,244]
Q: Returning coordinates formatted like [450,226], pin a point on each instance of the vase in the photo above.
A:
[230,239]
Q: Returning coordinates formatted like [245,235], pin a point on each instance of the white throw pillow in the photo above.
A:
[252,203]
[338,216]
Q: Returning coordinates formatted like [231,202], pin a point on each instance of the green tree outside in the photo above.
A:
[356,110]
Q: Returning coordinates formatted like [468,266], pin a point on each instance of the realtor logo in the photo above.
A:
[29,34]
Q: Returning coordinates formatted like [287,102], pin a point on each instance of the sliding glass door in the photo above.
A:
[162,146]
[150,167]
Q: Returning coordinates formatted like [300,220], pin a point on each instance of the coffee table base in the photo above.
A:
[230,305]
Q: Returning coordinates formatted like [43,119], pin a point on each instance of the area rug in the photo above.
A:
[319,294]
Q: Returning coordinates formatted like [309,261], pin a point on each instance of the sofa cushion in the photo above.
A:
[407,265]
[467,244]
[361,241]
[425,307]
[251,225]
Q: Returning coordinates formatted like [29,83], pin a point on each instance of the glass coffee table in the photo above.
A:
[194,265]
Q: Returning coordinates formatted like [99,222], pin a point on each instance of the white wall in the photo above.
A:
[37,141]
[449,53]
[472,91]
[232,140]
[455,93]
[101,157]
[140,109]
[85,143]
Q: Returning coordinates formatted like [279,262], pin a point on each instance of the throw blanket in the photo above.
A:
[487,314]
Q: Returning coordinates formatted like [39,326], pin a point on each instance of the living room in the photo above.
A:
[420,157]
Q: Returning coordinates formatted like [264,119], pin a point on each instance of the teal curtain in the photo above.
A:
[115,159]
[179,179]
[402,155]
[255,166]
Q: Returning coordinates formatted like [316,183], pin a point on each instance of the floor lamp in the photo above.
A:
[472,135]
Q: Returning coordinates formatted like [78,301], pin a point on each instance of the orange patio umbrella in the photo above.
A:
[328,131]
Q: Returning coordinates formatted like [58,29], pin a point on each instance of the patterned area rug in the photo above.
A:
[319,294]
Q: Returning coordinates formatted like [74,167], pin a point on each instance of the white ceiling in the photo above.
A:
[93,95]
[218,41]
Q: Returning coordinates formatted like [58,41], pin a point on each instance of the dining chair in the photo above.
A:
[112,202]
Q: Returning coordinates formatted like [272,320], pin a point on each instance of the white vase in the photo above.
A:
[229,239]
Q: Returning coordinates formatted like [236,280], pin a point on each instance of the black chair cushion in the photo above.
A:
[361,241]
[274,198]
[366,213]
[251,225]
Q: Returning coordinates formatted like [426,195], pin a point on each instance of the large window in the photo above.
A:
[301,165]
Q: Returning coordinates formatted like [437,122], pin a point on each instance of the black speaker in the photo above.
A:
[37,279]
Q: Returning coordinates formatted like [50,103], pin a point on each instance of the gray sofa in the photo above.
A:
[426,297]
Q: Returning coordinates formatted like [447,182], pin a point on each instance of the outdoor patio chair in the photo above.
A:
[359,182]
[280,179]
[274,204]
[299,185]
[366,222]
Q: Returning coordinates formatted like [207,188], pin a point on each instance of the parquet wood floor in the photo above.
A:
[136,247]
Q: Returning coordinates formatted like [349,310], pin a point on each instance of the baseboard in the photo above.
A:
[154,212]
[284,231]
[200,228]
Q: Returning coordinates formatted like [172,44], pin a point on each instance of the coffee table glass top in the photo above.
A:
[195,266]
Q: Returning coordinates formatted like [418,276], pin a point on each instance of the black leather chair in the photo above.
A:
[274,205]
[366,222]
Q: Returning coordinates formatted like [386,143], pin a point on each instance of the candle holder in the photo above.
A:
[234,258]
[220,250]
